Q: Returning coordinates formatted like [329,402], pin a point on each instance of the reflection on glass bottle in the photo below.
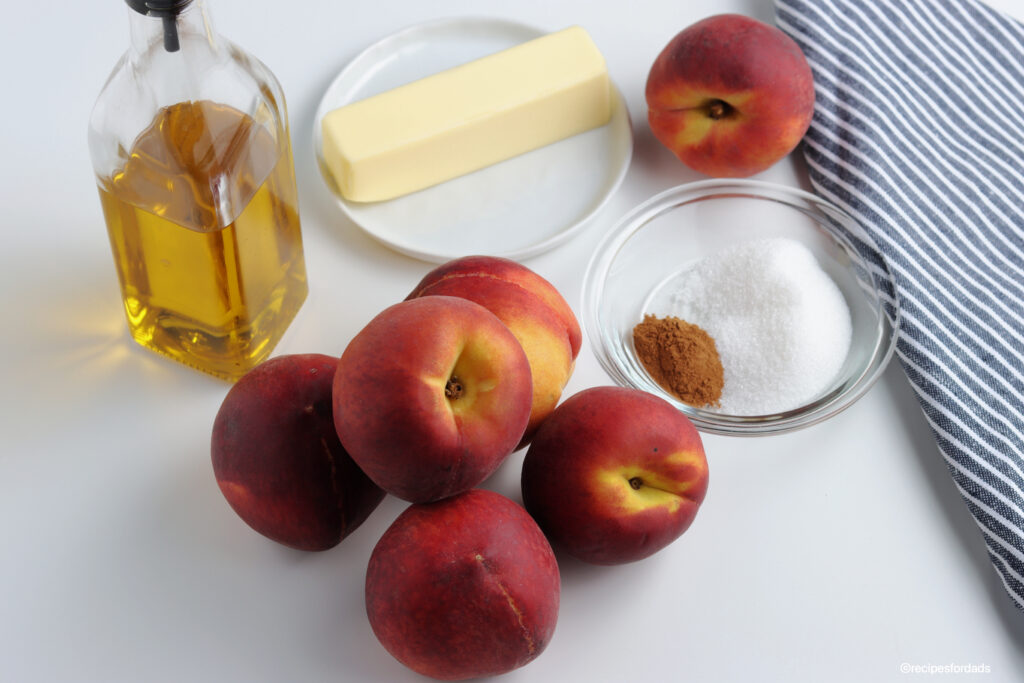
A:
[201,207]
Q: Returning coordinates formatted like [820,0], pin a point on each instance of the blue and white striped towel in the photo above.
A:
[918,131]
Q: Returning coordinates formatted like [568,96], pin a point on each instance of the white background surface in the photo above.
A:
[836,553]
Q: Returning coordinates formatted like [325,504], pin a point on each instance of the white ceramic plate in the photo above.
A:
[517,208]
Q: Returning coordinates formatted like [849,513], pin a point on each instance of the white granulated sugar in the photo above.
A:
[781,325]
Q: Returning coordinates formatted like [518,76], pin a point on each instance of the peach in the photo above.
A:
[530,306]
[431,396]
[614,475]
[730,95]
[463,588]
[278,460]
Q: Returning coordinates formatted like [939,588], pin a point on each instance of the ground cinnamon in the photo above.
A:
[681,357]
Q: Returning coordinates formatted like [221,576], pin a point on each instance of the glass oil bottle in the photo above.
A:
[191,149]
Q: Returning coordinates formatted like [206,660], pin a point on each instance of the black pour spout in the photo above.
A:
[168,11]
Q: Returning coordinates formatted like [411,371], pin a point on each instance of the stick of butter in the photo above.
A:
[463,119]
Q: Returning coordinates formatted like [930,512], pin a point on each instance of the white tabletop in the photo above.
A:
[838,553]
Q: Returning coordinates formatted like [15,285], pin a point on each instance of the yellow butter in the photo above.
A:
[468,117]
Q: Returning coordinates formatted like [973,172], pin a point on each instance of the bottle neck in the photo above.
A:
[170,31]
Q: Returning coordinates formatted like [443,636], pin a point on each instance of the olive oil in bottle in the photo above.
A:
[204,227]
[190,145]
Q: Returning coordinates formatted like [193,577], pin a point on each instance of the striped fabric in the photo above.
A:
[919,133]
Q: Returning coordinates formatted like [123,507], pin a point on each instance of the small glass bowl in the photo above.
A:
[668,233]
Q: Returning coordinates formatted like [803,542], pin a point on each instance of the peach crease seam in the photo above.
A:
[511,603]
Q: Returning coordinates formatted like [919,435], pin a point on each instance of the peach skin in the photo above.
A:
[533,310]
[431,396]
[277,458]
[614,475]
[464,587]
[730,96]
